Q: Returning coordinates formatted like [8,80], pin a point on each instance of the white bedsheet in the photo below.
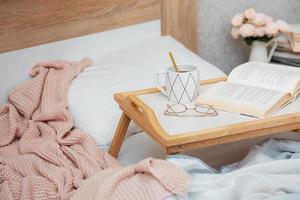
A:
[270,171]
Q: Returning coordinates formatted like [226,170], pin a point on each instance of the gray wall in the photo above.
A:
[215,42]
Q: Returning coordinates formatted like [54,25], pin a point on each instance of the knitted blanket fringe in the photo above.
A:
[42,155]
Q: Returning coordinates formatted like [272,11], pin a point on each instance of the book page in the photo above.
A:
[240,99]
[270,76]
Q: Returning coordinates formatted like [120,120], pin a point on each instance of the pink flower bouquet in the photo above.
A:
[256,26]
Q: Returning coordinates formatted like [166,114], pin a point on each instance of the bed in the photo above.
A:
[117,52]
[108,49]
[107,37]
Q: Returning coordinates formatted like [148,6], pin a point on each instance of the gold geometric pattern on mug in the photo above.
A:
[172,86]
[196,92]
[184,87]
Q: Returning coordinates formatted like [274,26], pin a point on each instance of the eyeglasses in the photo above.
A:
[195,110]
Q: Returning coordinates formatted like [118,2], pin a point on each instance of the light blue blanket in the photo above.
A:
[270,171]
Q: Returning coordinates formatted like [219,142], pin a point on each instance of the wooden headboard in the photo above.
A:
[179,19]
[26,23]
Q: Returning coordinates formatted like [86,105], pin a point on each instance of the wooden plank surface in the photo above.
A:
[25,23]
[179,19]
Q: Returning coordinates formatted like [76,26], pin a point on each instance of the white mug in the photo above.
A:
[179,87]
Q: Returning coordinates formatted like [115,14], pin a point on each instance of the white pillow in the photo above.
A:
[91,93]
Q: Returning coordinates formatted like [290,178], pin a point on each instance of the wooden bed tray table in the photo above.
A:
[197,132]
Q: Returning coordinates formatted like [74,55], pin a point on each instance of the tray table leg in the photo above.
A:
[170,152]
[119,135]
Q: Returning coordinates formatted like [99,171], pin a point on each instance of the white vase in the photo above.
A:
[259,51]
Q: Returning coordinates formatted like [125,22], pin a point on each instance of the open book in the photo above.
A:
[254,89]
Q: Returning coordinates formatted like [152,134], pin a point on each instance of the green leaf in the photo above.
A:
[250,40]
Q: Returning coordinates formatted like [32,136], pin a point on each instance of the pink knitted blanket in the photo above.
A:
[42,156]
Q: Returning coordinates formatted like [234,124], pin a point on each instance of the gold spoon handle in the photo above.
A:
[173,61]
